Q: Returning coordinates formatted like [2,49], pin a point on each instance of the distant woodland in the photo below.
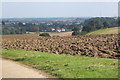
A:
[79,26]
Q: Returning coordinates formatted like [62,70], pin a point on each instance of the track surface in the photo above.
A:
[11,69]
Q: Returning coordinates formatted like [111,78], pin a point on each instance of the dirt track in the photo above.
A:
[11,69]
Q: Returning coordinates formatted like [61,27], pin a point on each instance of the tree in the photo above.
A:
[93,24]
[88,28]
[3,23]
[12,32]
[76,31]
[118,21]
[98,24]
[22,31]
[20,24]
[106,24]
[5,31]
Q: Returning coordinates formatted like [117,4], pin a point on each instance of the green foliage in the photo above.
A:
[93,24]
[118,21]
[106,24]
[3,23]
[76,29]
[45,34]
[88,28]
[20,24]
[13,30]
[66,66]
[75,33]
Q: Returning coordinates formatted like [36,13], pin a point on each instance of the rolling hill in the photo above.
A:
[114,30]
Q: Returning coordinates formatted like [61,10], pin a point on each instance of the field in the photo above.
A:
[88,45]
[66,66]
[113,30]
[53,33]
[86,56]
[61,34]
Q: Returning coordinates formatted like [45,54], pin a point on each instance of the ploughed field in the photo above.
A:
[104,45]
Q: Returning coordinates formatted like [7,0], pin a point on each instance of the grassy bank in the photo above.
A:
[113,30]
[66,66]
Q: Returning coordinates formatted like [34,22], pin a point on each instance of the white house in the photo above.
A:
[62,29]
[58,30]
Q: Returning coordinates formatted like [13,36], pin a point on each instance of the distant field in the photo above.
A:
[61,34]
[66,66]
[106,31]
[53,33]
[113,30]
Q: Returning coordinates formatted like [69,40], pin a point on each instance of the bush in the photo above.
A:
[75,33]
[44,34]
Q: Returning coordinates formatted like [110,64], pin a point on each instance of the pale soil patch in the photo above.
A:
[61,34]
[12,69]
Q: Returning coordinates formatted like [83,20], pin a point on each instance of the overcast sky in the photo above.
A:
[59,9]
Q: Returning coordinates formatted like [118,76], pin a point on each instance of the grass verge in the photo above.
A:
[66,66]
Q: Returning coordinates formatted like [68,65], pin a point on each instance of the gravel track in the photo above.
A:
[12,69]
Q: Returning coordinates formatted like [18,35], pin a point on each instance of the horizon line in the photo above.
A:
[59,17]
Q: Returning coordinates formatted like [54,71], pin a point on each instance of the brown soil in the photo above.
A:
[105,45]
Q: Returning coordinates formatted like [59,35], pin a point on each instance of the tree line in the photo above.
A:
[93,24]
[89,25]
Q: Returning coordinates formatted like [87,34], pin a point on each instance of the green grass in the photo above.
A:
[66,66]
[113,30]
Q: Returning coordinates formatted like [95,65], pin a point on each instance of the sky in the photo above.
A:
[21,9]
[60,0]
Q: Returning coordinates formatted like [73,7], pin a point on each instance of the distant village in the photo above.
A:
[81,25]
[55,29]
[62,25]
[48,29]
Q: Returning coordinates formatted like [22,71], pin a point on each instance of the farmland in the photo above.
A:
[53,33]
[105,46]
[68,41]
[86,56]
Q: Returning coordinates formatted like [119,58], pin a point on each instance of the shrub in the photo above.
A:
[44,34]
[75,33]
